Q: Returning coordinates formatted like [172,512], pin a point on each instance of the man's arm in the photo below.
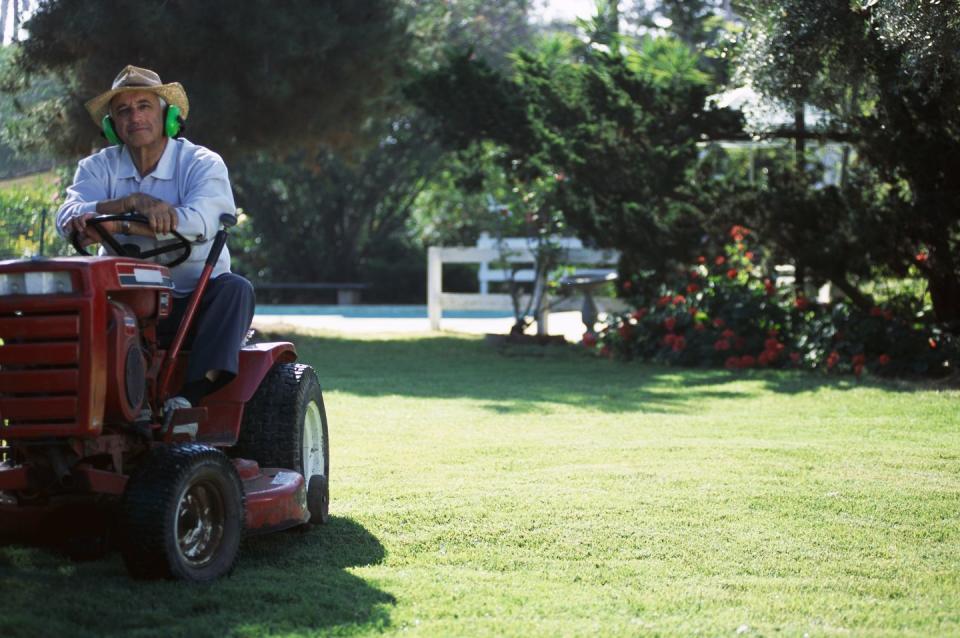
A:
[207,195]
[87,198]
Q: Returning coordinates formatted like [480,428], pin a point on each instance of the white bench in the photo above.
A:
[518,251]
[509,245]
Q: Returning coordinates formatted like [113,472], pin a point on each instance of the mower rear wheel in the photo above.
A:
[183,515]
[285,425]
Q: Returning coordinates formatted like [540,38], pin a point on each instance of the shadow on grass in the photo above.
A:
[525,381]
[450,367]
[284,583]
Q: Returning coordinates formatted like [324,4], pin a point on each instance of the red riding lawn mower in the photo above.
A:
[88,455]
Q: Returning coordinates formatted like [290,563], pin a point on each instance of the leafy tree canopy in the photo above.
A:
[889,71]
[613,128]
[259,75]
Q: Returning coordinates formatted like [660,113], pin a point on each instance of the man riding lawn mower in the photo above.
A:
[108,422]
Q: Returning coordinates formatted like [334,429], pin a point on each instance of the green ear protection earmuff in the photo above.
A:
[106,125]
[172,125]
[172,122]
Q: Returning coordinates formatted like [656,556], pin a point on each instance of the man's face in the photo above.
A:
[138,118]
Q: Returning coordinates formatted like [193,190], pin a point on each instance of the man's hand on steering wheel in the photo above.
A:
[161,215]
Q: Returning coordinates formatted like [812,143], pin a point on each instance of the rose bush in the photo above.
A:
[725,311]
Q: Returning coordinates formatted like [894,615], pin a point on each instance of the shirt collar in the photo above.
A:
[126,169]
[165,166]
[164,169]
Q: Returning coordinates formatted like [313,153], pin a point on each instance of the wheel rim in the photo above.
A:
[200,521]
[313,462]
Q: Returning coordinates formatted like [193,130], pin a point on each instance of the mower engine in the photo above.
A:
[77,349]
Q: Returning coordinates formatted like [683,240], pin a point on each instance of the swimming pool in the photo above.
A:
[375,312]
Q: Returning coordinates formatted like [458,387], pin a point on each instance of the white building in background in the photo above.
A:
[763,117]
[13,13]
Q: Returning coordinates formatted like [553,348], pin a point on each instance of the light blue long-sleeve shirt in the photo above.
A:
[190,178]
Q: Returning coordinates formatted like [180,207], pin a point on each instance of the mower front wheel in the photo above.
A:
[285,425]
[183,515]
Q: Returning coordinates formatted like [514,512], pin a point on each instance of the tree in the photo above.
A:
[320,217]
[615,132]
[697,23]
[258,77]
[889,72]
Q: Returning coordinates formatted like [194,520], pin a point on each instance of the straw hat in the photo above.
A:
[133,78]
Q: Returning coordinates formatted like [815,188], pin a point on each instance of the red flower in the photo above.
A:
[718,323]
[701,259]
[559,176]
[772,345]
[663,301]
[628,285]
[732,363]
[768,287]
[747,361]
[693,310]
[639,313]
[679,344]
[876,312]
[748,255]
[720,260]
[721,344]
[883,359]
[679,299]
[589,339]
[933,343]
[764,358]
[692,288]
[737,232]
[922,257]
[694,274]
[669,323]
[858,360]
[625,330]
[795,357]
[833,359]
[732,273]
[801,303]
[669,339]
[726,334]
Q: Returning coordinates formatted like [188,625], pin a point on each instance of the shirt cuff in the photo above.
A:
[191,225]
[86,207]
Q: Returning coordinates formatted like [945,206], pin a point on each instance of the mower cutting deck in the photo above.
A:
[87,449]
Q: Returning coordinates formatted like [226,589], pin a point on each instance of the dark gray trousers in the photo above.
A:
[219,327]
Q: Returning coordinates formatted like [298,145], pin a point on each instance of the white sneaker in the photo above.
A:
[180,403]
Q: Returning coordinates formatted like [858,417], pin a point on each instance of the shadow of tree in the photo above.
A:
[284,583]
[518,382]
[451,367]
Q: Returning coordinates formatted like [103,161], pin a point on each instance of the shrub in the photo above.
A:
[724,311]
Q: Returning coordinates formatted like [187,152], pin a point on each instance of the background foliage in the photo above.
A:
[473,117]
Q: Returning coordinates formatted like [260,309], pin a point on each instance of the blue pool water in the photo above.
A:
[376,312]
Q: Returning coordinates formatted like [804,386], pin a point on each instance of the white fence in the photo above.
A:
[516,251]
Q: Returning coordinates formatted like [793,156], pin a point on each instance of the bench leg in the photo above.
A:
[348,297]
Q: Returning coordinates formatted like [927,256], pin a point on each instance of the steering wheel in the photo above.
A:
[132,250]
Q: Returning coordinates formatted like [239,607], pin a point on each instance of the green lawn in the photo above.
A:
[549,493]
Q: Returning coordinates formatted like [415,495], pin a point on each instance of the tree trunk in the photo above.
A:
[799,125]
[945,294]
